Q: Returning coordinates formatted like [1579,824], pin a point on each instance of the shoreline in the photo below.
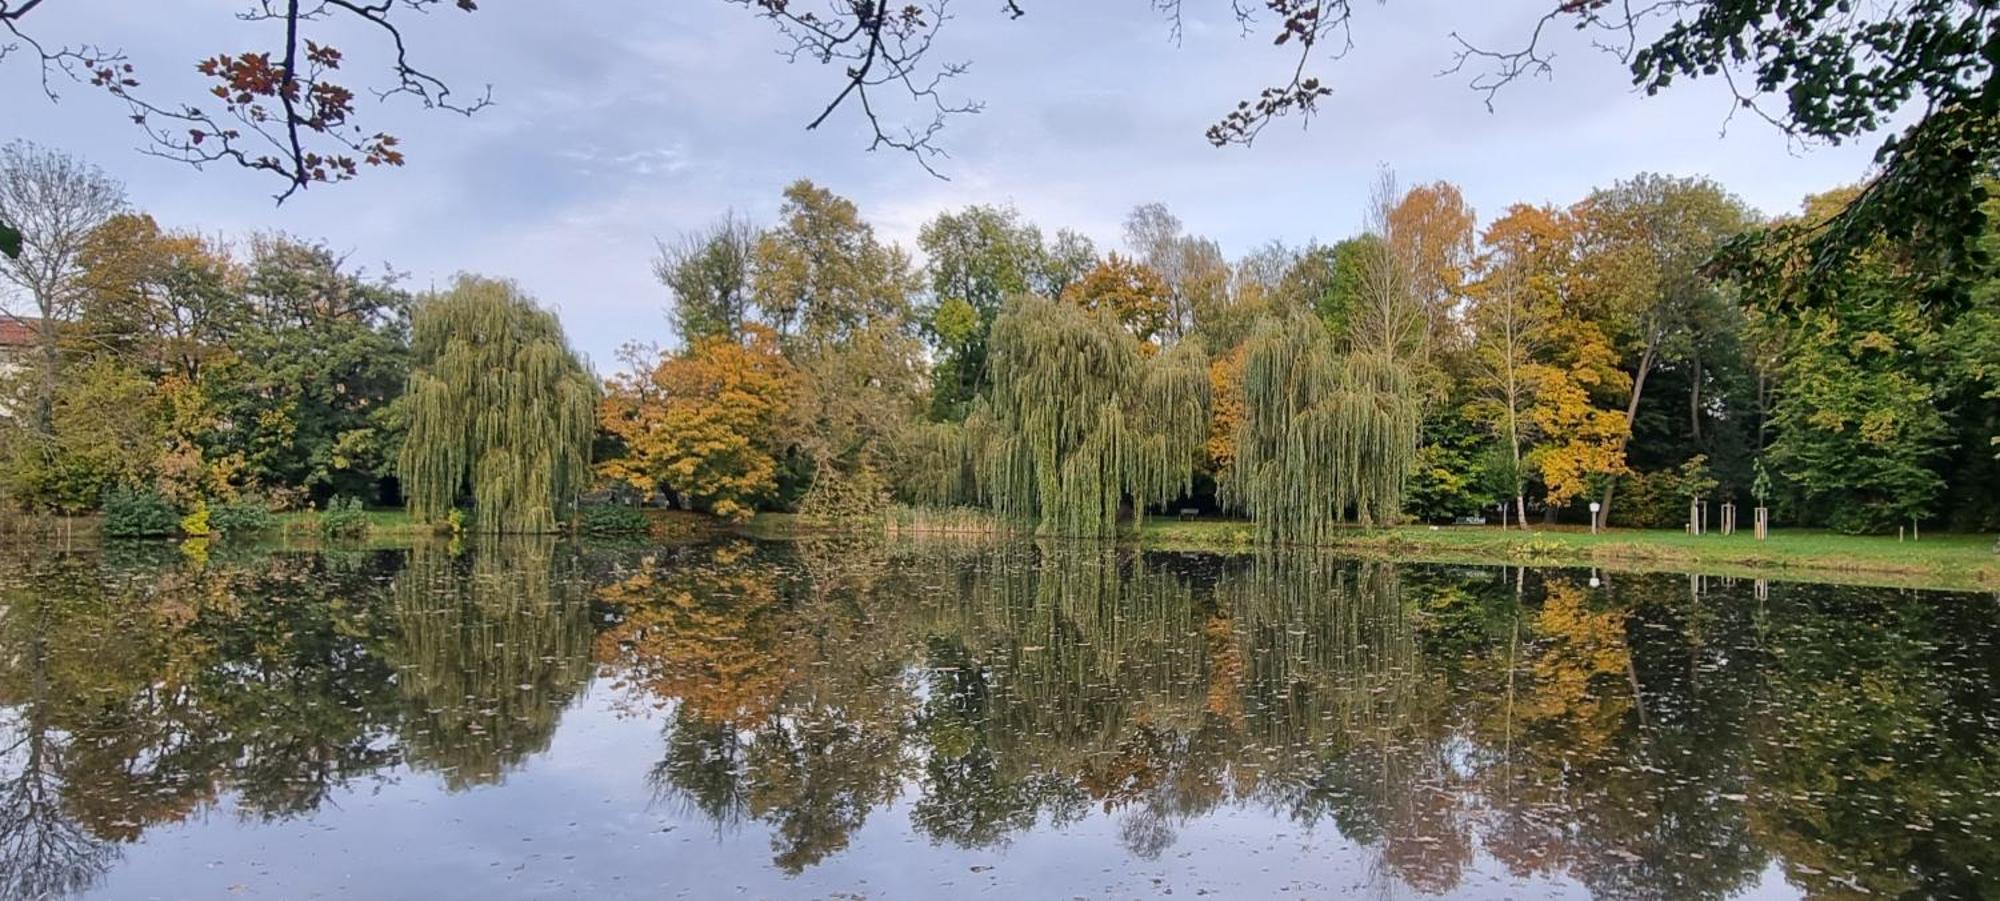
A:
[1943,561]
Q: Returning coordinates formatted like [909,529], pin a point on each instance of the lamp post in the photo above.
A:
[1594,507]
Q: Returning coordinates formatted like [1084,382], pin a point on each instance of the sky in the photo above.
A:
[617,123]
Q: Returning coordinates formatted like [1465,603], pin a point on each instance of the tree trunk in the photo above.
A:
[51,365]
[1521,511]
[1694,402]
[1631,415]
[1514,445]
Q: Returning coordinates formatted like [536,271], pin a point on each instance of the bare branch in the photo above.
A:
[878,47]
[1309,26]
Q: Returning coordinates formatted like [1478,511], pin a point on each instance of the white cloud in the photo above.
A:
[618,122]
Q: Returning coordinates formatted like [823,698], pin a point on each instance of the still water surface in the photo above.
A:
[859,720]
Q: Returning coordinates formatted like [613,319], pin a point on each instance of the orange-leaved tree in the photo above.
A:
[703,425]
[1131,292]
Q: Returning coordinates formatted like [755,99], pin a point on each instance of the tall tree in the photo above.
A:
[325,354]
[1430,231]
[1390,320]
[1545,372]
[1646,241]
[500,411]
[1860,415]
[1507,334]
[708,274]
[1084,430]
[1322,433]
[977,259]
[170,303]
[1132,294]
[56,202]
[839,300]
[1195,273]
[1328,279]
[1064,260]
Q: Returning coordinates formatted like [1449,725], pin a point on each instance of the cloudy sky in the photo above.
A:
[617,122]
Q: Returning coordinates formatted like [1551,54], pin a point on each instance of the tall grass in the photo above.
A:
[902,520]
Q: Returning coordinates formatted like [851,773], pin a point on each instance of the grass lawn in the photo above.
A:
[1943,560]
[1938,561]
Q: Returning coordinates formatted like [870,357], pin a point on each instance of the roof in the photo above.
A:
[17,332]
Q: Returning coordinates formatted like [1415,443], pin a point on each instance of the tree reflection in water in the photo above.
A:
[1622,737]
[492,644]
[1658,736]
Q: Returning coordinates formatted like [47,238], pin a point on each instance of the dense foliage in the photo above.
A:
[1626,349]
[500,412]
[703,425]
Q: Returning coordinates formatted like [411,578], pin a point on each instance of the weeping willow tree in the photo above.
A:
[1083,427]
[1323,433]
[501,413]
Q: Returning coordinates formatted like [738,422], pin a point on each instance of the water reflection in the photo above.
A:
[491,647]
[1653,736]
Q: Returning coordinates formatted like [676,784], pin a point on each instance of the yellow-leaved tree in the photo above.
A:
[704,425]
[1547,375]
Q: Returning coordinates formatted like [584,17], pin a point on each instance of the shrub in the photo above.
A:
[243,517]
[611,519]
[195,524]
[343,518]
[138,513]
[1649,500]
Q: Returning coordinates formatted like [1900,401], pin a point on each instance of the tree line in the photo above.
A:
[1629,349]
[1636,348]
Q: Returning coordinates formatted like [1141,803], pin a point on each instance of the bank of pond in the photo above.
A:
[847,715]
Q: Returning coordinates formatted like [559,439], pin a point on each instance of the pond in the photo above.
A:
[859,719]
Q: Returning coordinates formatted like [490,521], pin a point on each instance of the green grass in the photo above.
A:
[382,525]
[1940,560]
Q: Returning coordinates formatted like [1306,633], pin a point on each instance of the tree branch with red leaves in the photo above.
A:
[278,110]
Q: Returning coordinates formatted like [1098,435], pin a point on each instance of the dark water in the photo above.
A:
[858,720]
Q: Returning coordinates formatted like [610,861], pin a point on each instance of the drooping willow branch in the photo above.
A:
[1323,433]
[500,411]
[1082,431]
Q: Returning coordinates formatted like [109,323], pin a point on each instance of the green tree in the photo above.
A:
[1323,433]
[1327,279]
[325,355]
[1083,430]
[977,258]
[1859,435]
[1645,243]
[499,410]
[1864,393]
[839,301]
[708,274]
[109,430]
